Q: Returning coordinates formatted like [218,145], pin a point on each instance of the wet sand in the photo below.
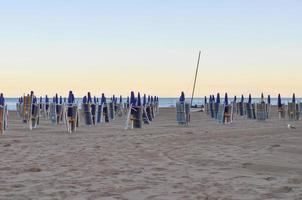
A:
[244,160]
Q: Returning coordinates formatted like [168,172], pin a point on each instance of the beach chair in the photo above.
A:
[292,111]
[71,117]
[3,118]
[228,114]
[249,111]
[281,111]
[241,108]
[111,110]
[220,113]
[134,117]
[261,111]
[183,113]
[86,113]
[30,112]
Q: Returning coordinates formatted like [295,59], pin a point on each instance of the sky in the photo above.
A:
[151,46]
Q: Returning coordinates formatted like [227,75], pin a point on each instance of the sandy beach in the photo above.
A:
[244,160]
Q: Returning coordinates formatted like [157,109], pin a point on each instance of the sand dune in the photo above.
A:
[245,160]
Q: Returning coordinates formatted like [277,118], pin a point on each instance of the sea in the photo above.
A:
[164,102]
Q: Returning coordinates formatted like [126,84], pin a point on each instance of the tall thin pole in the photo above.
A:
[195,78]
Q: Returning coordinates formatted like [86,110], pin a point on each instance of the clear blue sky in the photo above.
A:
[152,46]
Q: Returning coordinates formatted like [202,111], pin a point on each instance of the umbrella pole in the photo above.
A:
[195,78]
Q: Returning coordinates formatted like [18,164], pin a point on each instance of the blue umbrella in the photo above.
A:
[121,99]
[94,99]
[218,98]
[2,100]
[182,97]
[242,99]
[279,101]
[132,99]
[41,100]
[294,98]
[213,98]
[226,100]
[61,100]
[64,99]
[128,100]
[210,98]
[262,97]
[149,98]
[70,97]
[205,100]
[113,98]
[139,99]
[269,99]
[235,98]
[103,99]
[56,99]
[35,100]
[46,99]
[89,100]
[250,99]
[84,99]
[21,99]
[152,99]
[144,100]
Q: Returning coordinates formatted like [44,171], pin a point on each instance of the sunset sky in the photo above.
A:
[151,46]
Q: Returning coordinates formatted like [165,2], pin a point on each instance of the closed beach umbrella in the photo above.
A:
[121,99]
[144,100]
[294,98]
[152,99]
[262,97]
[128,100]
[279,101]
[269,99]
[213,98]
[64,99]
[69,100]
[41,99]
[235,99]
[103,99]
[132,99]
[139,99]
[242,98]
[94,100]
[218,98]
[61,100]
[84,99]
[56,99]
[226,100]
[182,97]
[2,101]
[46,99]
[205,100]
[250,99]
[89,100]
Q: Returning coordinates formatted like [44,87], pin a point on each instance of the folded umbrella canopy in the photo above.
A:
[182,97]
[56,99]
[61,100]
[70,98]
[2,100]
[149,98]
[132,99]
[235,99]
[218,98]
[250,99]
[128,100]
[269,99]
[94,100]
[242,98]
[46,99]
[152,99]
[103,99]
[294,98]
[84,99]
[144,100]
[279,101]
[213,98]
[89,100]
[226,100]
[262,97]
[205,100]
[139,99]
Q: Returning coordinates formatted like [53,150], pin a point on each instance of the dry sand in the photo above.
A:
[245,160]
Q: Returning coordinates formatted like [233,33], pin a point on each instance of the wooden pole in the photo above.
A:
[195,78]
